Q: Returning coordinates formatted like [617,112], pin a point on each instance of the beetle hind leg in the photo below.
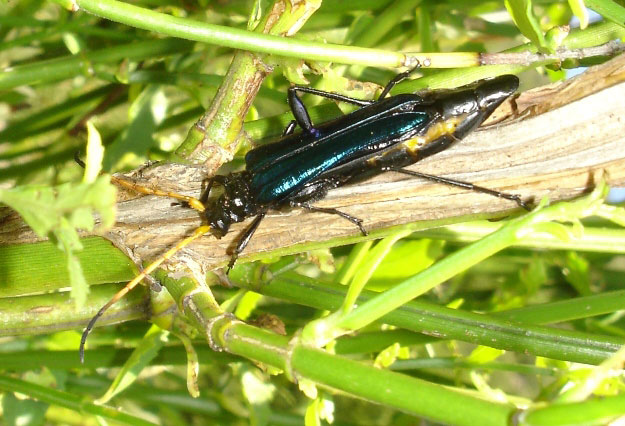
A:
[356,221]
[466,185]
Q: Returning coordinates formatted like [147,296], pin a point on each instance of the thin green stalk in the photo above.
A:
[376,341]
[594,35]
[104,356]
[461,260]
[365,381]
[386,21]
[456,362]
[262,43]
[594,239]
[49,312]
[366,270]
[56,69]
[68,400]
[593,411]
[442,322]
[568,310]
[353,261]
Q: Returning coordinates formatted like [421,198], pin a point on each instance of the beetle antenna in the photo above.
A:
[128,184]
[132,284]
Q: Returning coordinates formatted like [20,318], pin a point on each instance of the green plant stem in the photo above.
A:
[442,322]
[261,43]
[386,21]
[377,385]
[595,239]
[68,400]
[366,270]
[593,411]
[568,310]
[46,313]
[224,332]
[69,66]
[215,137]
[456,362]
[594,35]
[462,259]
[104,356]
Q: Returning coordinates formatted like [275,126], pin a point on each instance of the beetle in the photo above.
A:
[300,168]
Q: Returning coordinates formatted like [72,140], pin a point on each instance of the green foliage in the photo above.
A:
[58,212]
[479,341]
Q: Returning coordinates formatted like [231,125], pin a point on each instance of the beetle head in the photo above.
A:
[232,206]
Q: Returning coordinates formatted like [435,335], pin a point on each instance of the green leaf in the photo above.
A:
[387,356]
[247,304]
[523,16]
[407,258]
[484,354]
[95,154]
[145,114]
[579,9]
[22,411]
[576,272]
[193,365]
[143,354]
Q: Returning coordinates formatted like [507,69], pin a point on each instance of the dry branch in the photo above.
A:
[557,138]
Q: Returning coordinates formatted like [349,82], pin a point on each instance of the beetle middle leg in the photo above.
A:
[466,185]
[317,190]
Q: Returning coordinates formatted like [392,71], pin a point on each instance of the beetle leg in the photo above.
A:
[245,239]
[466,185]
[290,128]
[399,77]
[301,113]
[331,95]
[356,221]
[218,179]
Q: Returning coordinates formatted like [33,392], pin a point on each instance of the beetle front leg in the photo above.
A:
[301,113]
[398,78]
[245,239]
[218,179]
[290,128]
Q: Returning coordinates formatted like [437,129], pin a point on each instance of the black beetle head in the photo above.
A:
[233,205]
